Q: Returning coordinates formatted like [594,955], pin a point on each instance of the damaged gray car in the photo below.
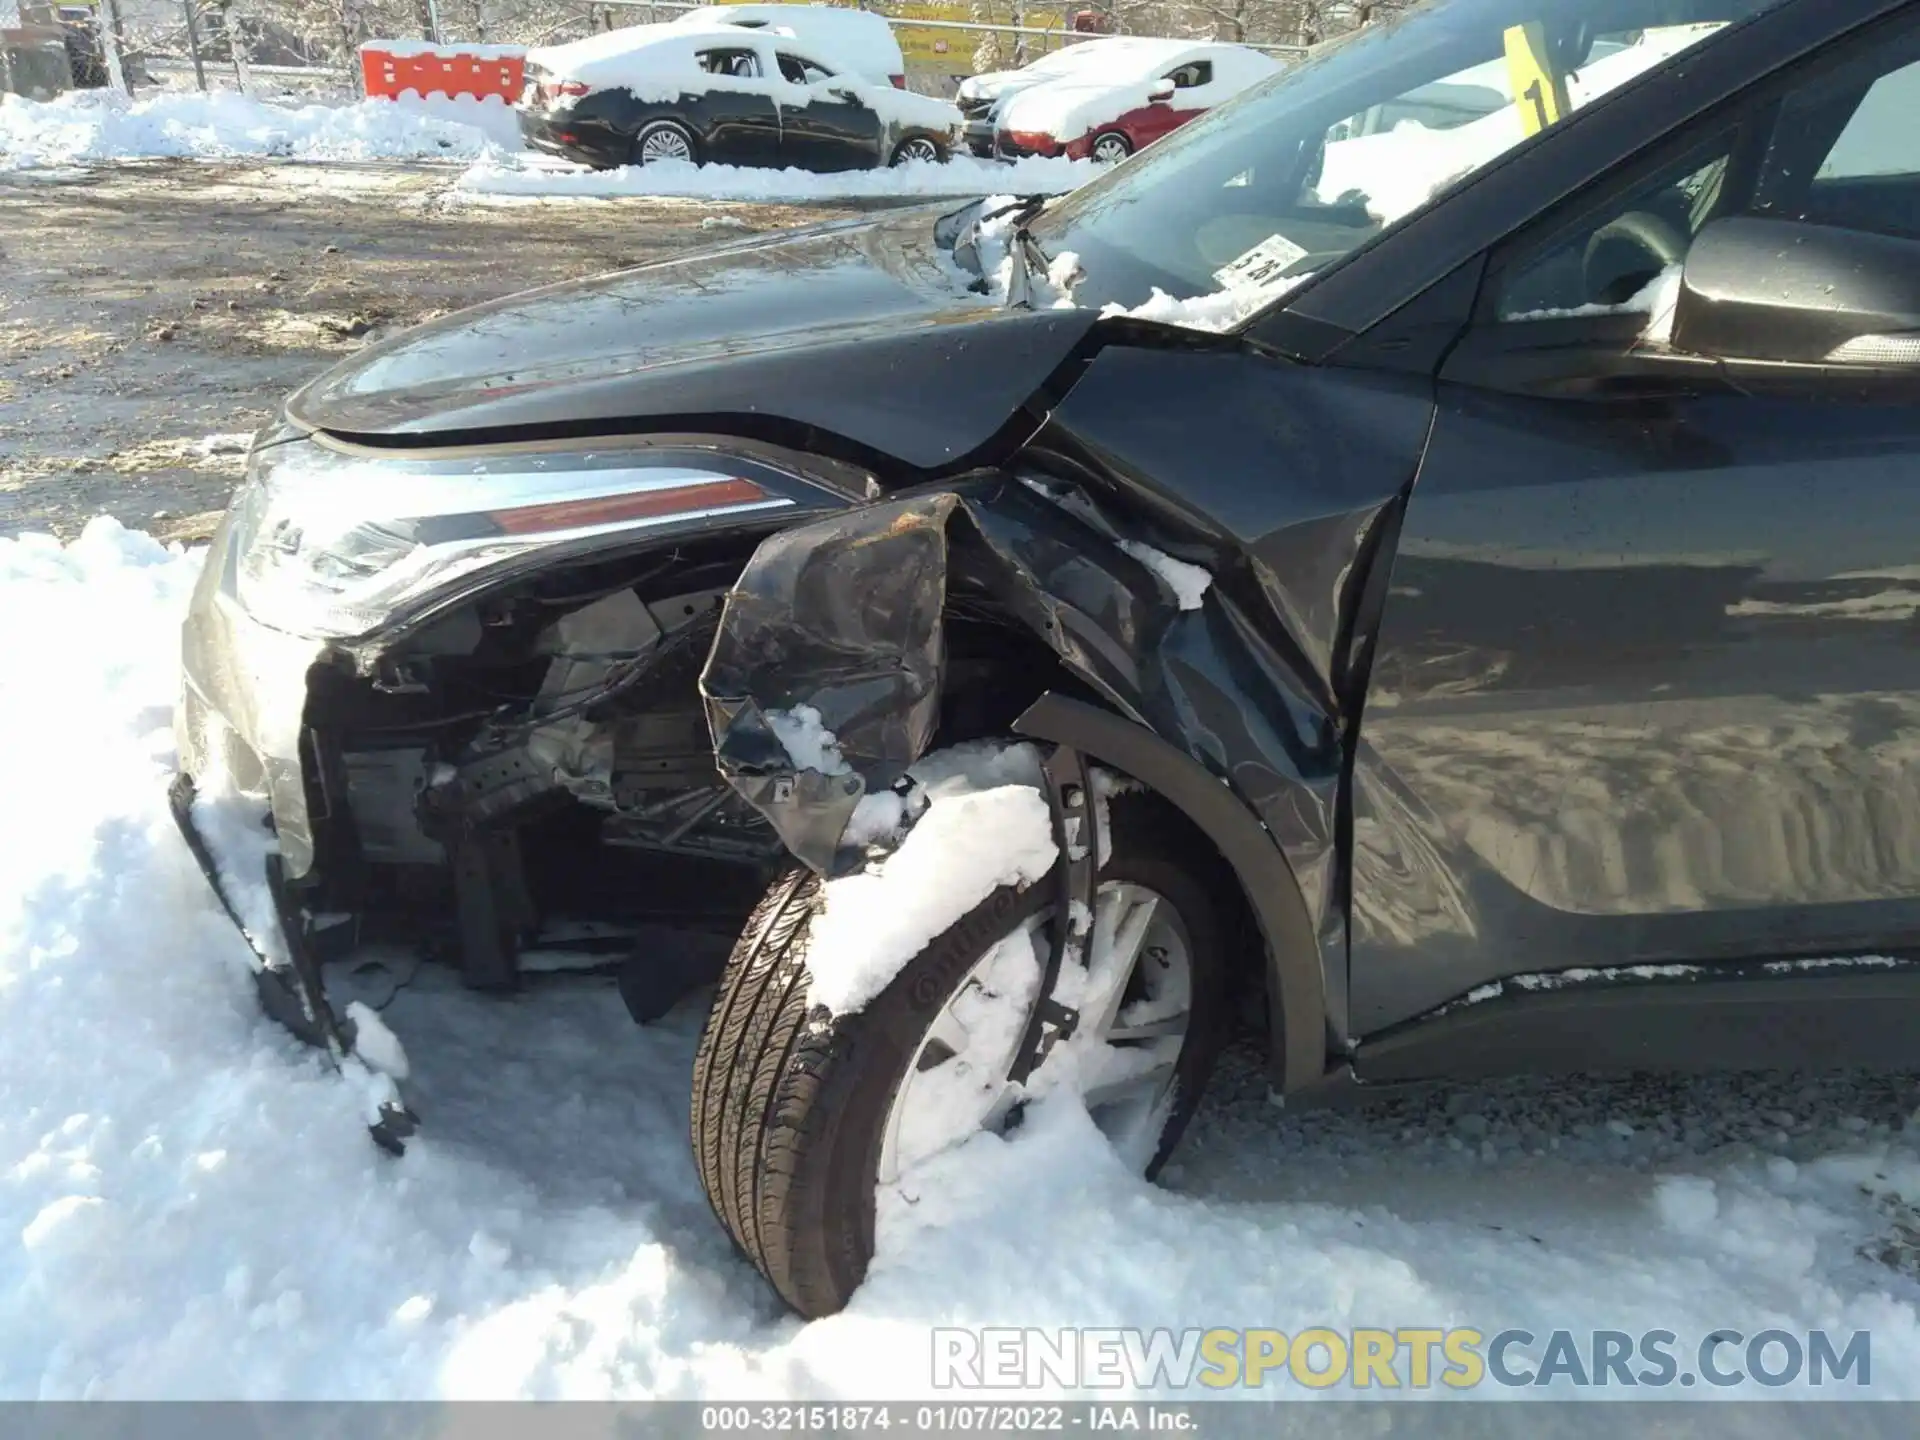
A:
[1488,650]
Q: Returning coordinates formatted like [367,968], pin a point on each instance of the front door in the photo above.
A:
[824,124]
[1647,687]
[734,117]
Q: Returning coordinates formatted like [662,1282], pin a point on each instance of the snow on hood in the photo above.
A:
[1067,109]
[1400,170]
[1072,59]
[89,126]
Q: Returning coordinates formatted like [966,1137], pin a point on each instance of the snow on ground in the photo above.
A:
[189,1205]
[96,127]
[499,175]
[92,126]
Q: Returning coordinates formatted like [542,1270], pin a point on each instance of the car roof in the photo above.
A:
[671,39]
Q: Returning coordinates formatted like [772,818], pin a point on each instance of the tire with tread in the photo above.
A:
[790,1104]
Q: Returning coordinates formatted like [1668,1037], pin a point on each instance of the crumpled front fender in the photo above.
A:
[846,616]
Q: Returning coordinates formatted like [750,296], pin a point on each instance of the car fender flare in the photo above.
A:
[1296,990]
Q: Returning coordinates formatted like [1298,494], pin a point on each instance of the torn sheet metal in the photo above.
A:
[845,615]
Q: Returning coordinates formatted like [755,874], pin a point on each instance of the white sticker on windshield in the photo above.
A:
[1260,266]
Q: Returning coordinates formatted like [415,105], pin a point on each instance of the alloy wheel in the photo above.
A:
[1109,149]
[1134,999]
[918,148]
[665,143]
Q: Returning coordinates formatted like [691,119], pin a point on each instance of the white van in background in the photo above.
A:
[858,39]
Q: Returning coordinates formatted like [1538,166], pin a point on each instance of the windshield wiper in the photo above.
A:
[1028,258]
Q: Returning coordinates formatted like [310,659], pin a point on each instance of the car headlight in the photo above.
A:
[335,543]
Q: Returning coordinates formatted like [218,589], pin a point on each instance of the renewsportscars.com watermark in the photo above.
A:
[1409,1358]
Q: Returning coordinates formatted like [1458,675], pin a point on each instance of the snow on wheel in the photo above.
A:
[662,140]
[1111,147]
[800,1111]
[917,148]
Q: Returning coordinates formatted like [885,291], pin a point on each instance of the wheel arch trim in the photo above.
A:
[1296,989]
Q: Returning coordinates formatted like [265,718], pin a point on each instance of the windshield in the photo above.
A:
[1292,175]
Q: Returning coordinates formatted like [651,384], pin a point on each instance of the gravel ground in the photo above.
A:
[151,314]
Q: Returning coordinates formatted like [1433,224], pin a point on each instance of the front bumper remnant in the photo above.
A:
[291,990]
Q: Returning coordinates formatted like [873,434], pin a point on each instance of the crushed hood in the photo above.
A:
[862,329]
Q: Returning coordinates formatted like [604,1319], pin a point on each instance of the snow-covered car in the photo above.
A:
[722,95]
[1464,619]
[979,95]
[1142,90]
[859,40]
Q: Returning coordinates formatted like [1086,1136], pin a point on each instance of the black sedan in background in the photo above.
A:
[726,96]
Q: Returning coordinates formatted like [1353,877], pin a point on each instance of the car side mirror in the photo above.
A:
[1783,290]
[1161,92]
[842,92]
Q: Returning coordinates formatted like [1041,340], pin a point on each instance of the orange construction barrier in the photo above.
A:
[393,67]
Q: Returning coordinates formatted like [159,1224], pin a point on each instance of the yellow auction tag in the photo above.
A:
[1539,90]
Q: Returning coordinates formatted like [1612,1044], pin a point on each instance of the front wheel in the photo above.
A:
[923,149]
[1111,147]
[798,1115]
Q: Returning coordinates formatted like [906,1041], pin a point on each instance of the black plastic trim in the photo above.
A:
[1797,1020]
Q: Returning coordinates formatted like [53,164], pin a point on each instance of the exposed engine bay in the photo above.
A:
[527,783]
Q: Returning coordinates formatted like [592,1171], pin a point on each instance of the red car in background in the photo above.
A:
[1144,89]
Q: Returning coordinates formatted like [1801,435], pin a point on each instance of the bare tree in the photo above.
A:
[330,31]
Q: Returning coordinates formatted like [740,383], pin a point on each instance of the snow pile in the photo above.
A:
[190,1207]
[91,126]
[961,176]
[982,823]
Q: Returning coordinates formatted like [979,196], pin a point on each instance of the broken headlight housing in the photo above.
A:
[335,542]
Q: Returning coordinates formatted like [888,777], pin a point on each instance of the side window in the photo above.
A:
[802,72]
[1621,256]
[1847,149]
[1840,148]
[741,64]
[1192,75]
[1879,139]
